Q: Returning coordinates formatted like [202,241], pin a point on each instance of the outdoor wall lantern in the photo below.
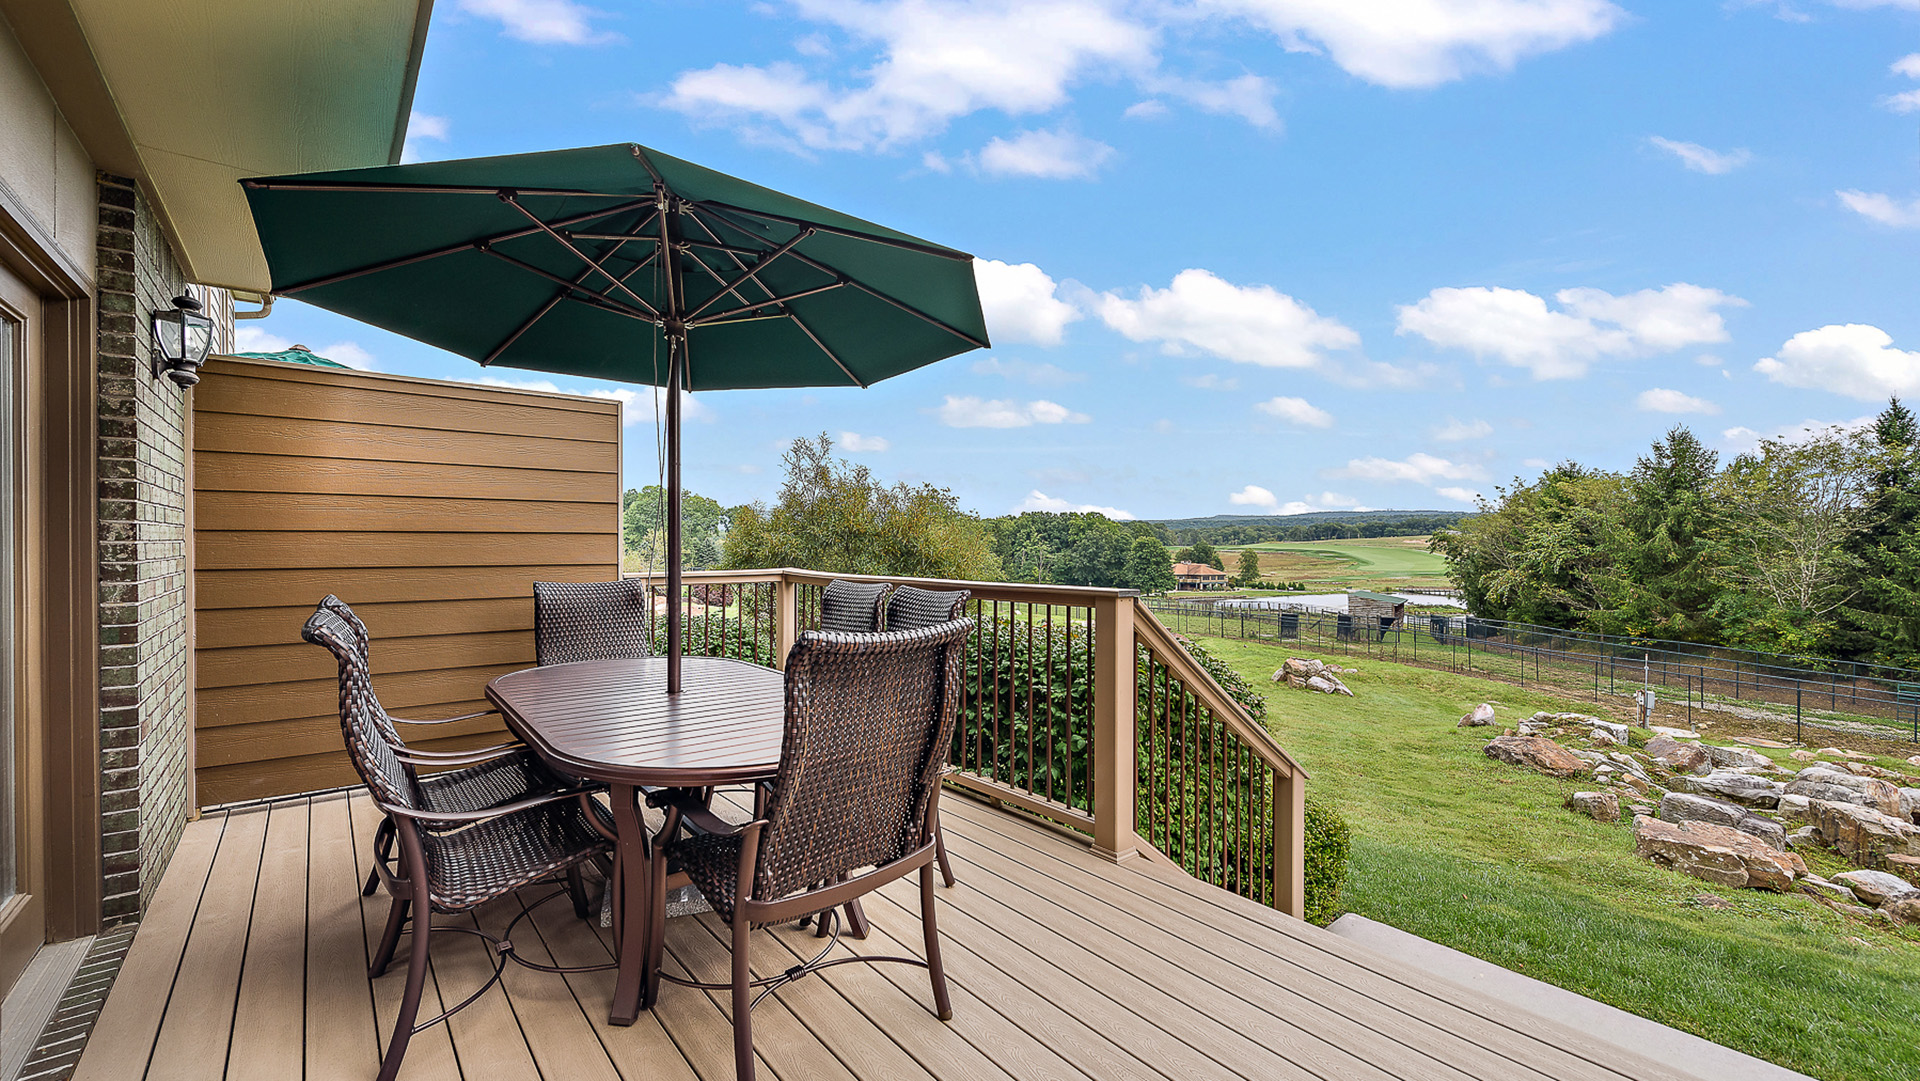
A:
[181,339]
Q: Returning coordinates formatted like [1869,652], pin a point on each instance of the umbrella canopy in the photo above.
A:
[623,263]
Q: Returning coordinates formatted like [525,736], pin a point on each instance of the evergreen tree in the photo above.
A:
[1883,623]
[1670,519]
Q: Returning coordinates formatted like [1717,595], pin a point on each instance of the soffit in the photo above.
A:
[205,92]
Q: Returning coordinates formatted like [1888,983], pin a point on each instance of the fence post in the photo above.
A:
[1114,773]
[786,619]
[1797,737]
[1290,844]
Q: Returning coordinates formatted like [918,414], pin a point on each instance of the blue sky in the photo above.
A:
[1256,256]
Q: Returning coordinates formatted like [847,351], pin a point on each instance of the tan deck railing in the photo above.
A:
[1079,706]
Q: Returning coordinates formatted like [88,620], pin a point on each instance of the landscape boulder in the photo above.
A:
[1737,758]
[1839,786]
[1906,866]
[1741,788]
[1760,741]
[1862,834]
[1619,732]
[1673,733]
[1792,808]
[1721,855]
[1327,684]
[1906,910]
[1481,716]
[1910,803]
[1803,837]
[1803,755]
[1826,891]
[1536,753]
[1680,807]
[1876,887]
[1599,806]
[1676,756]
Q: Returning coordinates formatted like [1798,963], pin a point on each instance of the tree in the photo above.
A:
[1671,518]
[1883,622]
[1201,552]
[837,517]
[643,515]
[1249,568]
[1148,567]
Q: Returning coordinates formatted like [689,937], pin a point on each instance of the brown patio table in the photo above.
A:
[613,721]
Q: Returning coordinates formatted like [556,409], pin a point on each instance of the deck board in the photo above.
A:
[1061,966]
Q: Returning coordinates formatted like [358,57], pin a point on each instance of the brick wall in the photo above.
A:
[145,728]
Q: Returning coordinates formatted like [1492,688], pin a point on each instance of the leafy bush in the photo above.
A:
[1329,844]
[1229,680]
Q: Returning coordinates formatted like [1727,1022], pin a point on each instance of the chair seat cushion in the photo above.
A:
[470,866]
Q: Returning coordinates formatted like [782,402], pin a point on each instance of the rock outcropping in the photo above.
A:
[1536,753]
[1721,855]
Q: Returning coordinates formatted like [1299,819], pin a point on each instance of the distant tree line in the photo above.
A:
[1239,533]
[1808,545]
[1081,549]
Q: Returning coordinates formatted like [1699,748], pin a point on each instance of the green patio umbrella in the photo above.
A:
[553,262]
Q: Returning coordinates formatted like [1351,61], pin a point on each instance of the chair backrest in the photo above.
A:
[591,621]
[370,735]
[910,607]
[852,607]
[869,719]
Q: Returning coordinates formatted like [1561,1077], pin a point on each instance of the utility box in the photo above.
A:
[1643,706]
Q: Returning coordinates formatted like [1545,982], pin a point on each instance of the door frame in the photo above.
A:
[58,636]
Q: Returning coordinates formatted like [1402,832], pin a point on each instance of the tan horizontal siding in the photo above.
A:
[432,508]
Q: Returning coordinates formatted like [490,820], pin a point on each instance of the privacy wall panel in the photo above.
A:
[430,507]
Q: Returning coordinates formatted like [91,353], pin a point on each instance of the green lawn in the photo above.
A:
[1341,564]
[1482,857]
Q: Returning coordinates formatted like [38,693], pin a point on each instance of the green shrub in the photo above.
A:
[1329,844]
[1229,680]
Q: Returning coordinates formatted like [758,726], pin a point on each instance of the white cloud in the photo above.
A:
[936,162]
[1882,208]
[1048,155]
[942,59]
[855,442]
[1461,495]
[1741,438]
[1702,160]
[1856,360]
[1252,324]
[1906,101]
[1149,109]
[1249,97]
[1210,381]
[1418,468]
[1253,496]
[1663,400]
[1021,303]
[1534,463]
[543,22]
[1026,371]
[1041,501]
[1455,431]
[1908,65]
[1415,43]
[637,405]
[1517,327]
[1296,411]
[421,126]
[971,412]
[248,338]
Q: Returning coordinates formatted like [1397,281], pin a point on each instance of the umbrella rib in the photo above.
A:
[605,301]
[424,189]
[731,255]
[753,275]
[451,249]
[815,339]
[721,317]
[923,248]
[552,303]
[827,268]
[508,198]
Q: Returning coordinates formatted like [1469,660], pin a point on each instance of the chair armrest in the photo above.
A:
[480,815]
[457,758]
[445,720]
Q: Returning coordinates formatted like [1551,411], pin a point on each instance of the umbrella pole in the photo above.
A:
[674,604]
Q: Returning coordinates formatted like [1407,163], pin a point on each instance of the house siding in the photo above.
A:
[145,715]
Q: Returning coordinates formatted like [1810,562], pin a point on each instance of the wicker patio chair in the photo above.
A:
[910,608]
[591,621]
[853,607]
[869,717]
[449,860]
[484,778]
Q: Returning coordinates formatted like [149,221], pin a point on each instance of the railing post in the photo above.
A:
[786,619]
[1290,844]
[1115,776]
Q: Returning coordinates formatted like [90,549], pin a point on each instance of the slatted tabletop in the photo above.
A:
[613,721]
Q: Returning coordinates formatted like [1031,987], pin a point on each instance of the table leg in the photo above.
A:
[636,901]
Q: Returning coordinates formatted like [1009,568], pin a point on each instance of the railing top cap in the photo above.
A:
[810,576]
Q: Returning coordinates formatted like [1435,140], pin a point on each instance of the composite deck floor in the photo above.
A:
[251,966]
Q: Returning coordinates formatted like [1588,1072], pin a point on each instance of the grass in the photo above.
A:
[1480,856]
[1344,564]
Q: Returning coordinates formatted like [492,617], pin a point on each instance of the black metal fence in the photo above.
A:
[1842,697]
